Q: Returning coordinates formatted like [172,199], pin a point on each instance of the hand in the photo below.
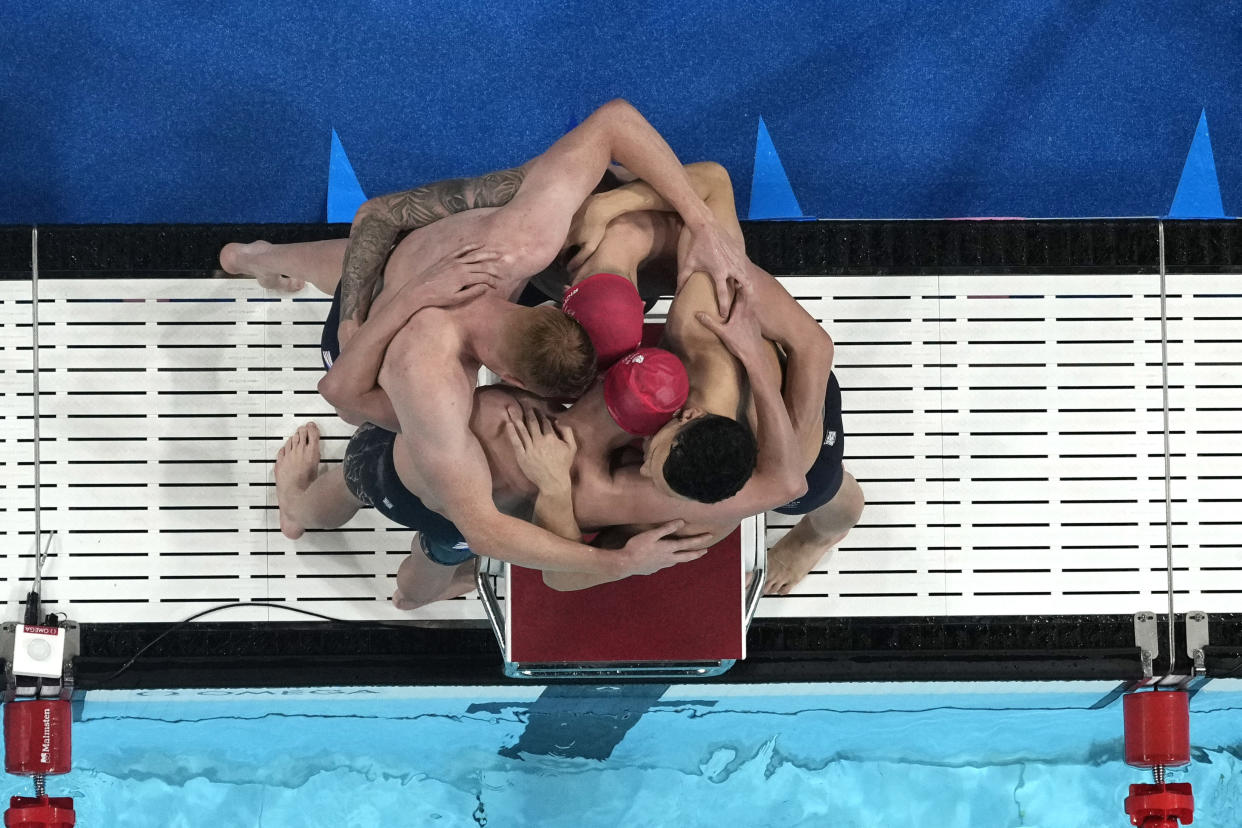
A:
[654,550]
[544,451]
[587,228]
[718,254]
[456,278]
[741,334]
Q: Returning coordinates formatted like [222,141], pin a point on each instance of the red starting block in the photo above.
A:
[684,621]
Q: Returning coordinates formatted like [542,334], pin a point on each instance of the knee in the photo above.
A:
[716,174]
[855,500]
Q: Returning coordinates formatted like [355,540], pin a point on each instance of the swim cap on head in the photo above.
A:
[609,308]
[644,390]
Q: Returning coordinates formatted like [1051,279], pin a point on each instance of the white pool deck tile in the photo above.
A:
[1009,433]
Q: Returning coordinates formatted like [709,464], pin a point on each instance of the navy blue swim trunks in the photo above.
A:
[824,478]
[329,343]
[371,476]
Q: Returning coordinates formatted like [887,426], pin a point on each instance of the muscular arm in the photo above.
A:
[351,385]
[560,179]
[379,221]
[710,182]
[781,318]
[810,351]
[554,511]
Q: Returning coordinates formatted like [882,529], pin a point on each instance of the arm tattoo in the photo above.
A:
[381,221]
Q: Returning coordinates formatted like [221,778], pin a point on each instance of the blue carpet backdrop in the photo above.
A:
[224,111]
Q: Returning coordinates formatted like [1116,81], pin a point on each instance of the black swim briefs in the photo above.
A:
[371,476]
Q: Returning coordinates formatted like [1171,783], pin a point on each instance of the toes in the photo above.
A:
[228,257]
[281,453]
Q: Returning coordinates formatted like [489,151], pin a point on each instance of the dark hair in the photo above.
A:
[553,355]
[711,459]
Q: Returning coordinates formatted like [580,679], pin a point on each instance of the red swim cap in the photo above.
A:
[609,308]
[644,390]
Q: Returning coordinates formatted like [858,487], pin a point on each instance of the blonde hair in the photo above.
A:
[552,354]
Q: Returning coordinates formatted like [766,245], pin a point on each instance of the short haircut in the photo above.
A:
[711,459]
[552,354]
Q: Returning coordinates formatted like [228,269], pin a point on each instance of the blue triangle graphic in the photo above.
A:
[771,197]
[345,194]
[1198,192]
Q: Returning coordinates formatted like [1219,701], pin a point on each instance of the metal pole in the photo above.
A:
[1168,461]
[34,314]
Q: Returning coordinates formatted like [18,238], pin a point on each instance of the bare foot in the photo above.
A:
[794,556]
[247,260]
[402,603]
[297,466]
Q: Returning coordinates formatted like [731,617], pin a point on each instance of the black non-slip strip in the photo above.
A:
[797,248]
[158,250]
[954,246]
[14,252]
[795,650]
[1209,246]
[794,248]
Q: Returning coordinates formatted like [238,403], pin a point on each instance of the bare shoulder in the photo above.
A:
[429,345]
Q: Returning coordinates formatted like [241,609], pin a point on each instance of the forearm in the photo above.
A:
[518,542]
[778,443]
[635,144]
[381,220]
[639,196]
[806,376]
[554,511]
[355,372]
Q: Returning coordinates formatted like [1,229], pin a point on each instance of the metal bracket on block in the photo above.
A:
[1197,639]
[1147,639]
[21,686]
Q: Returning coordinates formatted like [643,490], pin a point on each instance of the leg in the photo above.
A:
[803,546]
[287,267]
[307,499]
[421,581]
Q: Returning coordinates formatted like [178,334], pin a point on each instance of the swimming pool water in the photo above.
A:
[780,755]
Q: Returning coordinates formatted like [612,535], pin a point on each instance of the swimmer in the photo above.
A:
[637,396]
[611,236]
[433,355]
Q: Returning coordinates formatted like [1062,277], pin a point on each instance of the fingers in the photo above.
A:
[534,421]
[567,434]
[472,292]
[514,439]
[712,324]
[723,300]
[668,528]
[520,429]
[687,555]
